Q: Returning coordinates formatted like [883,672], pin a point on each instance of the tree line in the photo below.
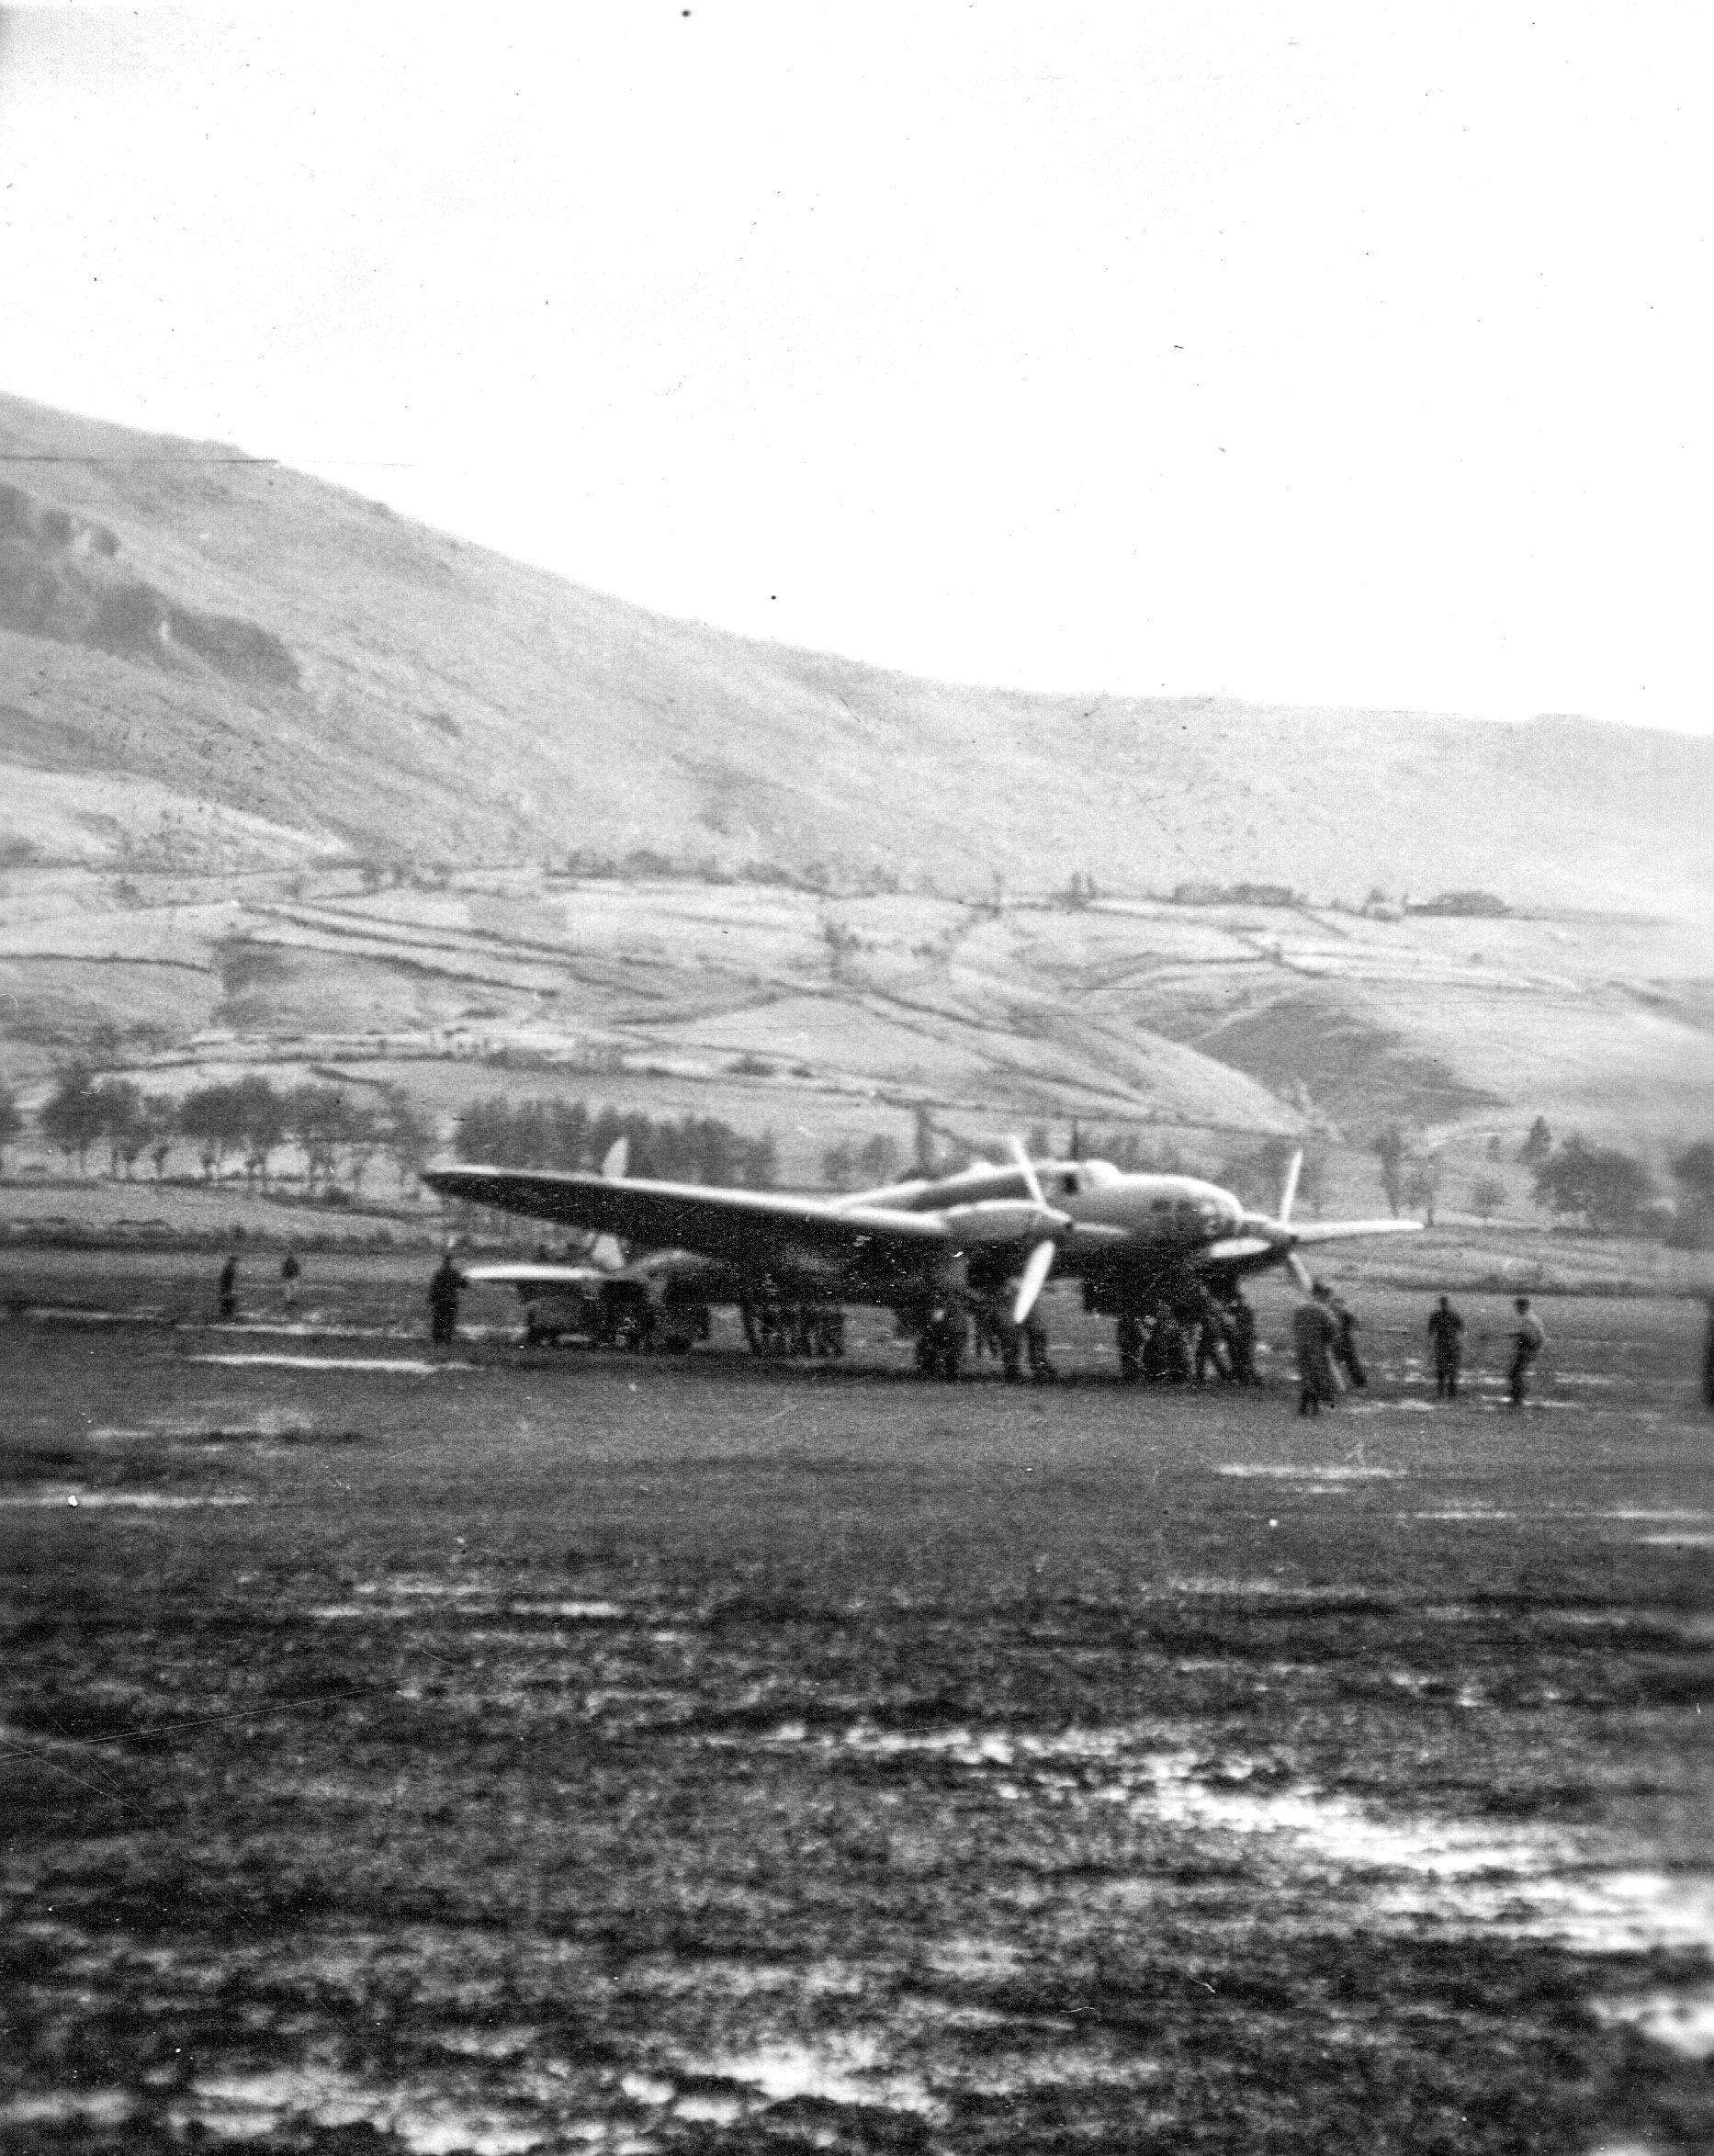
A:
[338,1132]
[1611,1190]
[341,1131]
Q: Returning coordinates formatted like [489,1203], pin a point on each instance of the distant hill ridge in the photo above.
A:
[210,660]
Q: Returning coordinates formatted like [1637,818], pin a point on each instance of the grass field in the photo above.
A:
[583,1751]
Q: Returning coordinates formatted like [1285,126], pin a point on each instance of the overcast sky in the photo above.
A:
[1310,353]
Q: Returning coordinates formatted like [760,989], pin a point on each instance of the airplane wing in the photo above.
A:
[1333,1231]
[1249,1253]
[741,1226]
[535,1276]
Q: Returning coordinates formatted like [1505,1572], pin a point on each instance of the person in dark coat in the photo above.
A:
[1708,1360]
[290,1273]
[1528,1342]
[1446,1335]
[229,1287]
[1214,1341]
[446,1285]
[1241,1337]
[1314,1334]
[1344,1353]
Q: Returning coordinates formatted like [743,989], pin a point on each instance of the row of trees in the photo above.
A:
[1611,1190]
[340,1131]
[337,1129]
[565,1134]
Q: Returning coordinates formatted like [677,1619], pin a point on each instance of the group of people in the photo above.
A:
[1187,1340]
[291,1272]
[1323,1332]
[777,1328]
[1174,1343]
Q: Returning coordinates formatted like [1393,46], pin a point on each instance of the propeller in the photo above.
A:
[1034,1275]
[1278,1231]
[1294,1167]
[1026,1168]
[1041,1262]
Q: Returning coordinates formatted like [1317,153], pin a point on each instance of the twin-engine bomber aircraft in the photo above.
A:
[980,1242]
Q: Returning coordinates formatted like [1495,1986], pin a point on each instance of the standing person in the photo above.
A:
[1528,1342]
[290,1272]
[1708,1360]
[229,1287]
[1344,1353]
[1314,1334]
[446,1285]
[1241,1334]
[1446,1331]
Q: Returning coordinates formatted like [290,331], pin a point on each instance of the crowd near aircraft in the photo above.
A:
[941,1252]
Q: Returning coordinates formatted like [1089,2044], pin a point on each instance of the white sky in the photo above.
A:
[1308,351]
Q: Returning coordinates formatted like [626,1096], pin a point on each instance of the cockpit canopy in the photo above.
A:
[1072,1176]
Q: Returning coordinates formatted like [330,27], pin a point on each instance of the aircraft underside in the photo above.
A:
[1170,1322]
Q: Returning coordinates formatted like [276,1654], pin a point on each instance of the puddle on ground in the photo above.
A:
[1197,1584]
[395,1365]
[410,1584]
[1291,1473]
[127,1500]
[1672,1516]
[1594,1911]
[81,2107]
[850,2070]
[1546,1883]
[1682,2020]
[1477,1512]
[245,2106]
[55,1313]
[579,1612]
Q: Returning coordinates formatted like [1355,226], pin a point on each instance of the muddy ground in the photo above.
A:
[577,1752]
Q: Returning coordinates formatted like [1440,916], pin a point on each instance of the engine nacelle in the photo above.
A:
[1003,1220]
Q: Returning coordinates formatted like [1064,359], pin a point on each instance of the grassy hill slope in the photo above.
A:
[223,686]
[210,661]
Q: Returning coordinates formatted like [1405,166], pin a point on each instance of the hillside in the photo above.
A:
[208,662]
[288,783]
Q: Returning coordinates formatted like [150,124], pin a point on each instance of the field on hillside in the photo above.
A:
[506,1752]
[1204,1030]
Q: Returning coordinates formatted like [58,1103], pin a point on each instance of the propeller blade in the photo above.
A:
[1026,1168]
[1294,1170]
[1034,1276]
[1300,1271]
